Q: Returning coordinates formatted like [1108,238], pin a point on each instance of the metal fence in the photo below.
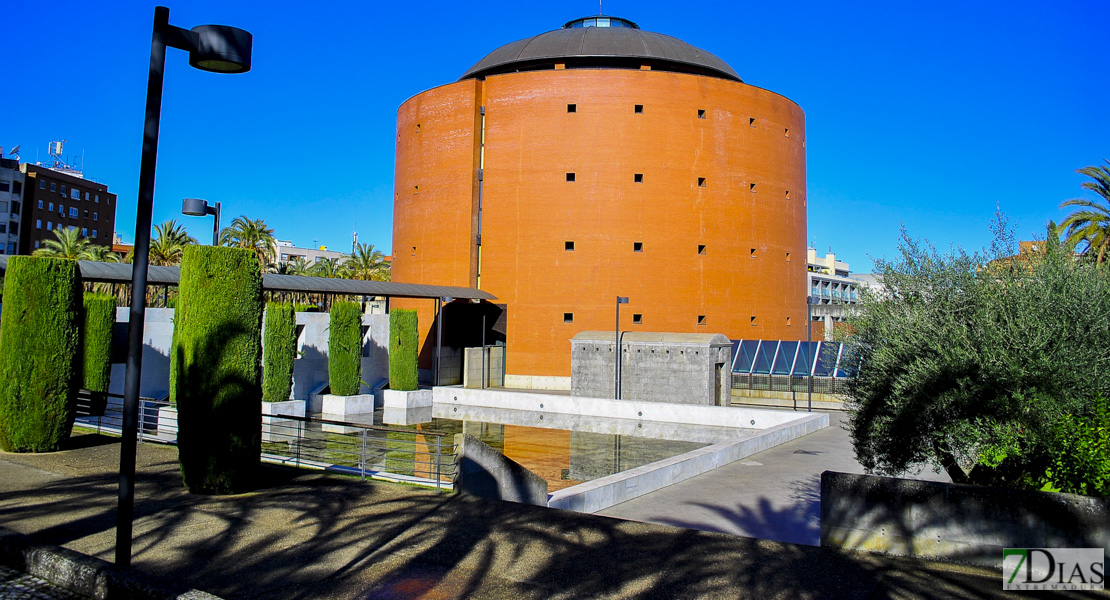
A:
[406,455]
[787,383]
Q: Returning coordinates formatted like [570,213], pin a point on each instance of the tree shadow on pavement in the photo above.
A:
[312,535]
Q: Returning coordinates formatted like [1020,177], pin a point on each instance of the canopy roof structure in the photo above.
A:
[104,272]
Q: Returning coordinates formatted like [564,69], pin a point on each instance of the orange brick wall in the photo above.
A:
[530,210]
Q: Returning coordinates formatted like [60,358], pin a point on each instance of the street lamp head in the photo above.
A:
[221,49]
[622,299]
[194,207]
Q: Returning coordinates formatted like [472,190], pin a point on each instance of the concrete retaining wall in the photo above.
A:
[954,522]
[637,410]
[310,368]
[660,367]
[485,472]
[494,367]
[787,399]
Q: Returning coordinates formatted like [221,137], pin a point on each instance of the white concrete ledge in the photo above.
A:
[602,493]
[720,416]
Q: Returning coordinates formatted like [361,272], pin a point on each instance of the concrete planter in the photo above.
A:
[397,399]
[332,405]
[167,423]
[276,429]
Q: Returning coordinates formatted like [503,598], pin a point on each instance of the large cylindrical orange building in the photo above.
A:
[600,160]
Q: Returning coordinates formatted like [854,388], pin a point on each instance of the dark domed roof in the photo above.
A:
[601,42]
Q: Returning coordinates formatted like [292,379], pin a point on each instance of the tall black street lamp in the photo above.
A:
[215,48]
[195,207]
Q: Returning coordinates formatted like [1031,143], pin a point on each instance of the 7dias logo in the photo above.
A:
[1053,569]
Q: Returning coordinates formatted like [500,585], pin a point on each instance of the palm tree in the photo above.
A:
[328,267]
[252,234]
[67,243]
[367,264]
[168,244]
[1091,224]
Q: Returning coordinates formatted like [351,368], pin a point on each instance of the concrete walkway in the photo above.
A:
[773,495]
[310,535]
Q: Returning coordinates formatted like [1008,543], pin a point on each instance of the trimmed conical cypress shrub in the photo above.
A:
[403,350]
[96,347]
[345,349]
[38,353]
[216,368]
[279,348]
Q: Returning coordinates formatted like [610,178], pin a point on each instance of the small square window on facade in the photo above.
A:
[418,128]
[701,248]
[568,246]
[87,195]
[96,215]
[638,178]
[85,231]
[753,320]
[639,109]
[51,205]
[787,132]
[94,233]
[787,257]
[53,187]
[701,182]
[570,176]
[701,113]
[568,317]
[96,199]
[753,253]
[701,319]
[49,225]
[788,321]
[637,246]
[787,194]
[637,319]
[751,187]
[572,108]
[73,212]
[63,189]
[751,122]
[40,203]
[42,184]
[38,223]
[74,194]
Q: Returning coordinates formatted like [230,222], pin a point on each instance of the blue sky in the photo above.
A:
[927,114]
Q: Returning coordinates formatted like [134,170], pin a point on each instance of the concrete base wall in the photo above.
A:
[537,382]
[157,338]
[276,429]
[341,406]
[485,472]
[965,523]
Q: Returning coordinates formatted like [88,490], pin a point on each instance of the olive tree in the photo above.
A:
[968,361]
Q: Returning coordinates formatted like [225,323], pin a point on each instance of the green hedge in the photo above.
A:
[345,349]
[216,368]
[403,350]
[39,353]
[279,348]
[96,348]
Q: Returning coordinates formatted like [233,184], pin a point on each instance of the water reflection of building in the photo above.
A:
[600,160]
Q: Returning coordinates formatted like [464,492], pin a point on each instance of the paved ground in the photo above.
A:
[773,495]
[310,535]
[15,585]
